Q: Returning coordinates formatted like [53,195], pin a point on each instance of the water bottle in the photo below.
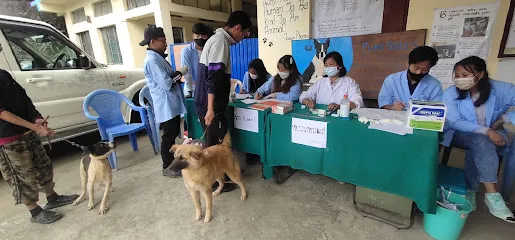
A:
[345,107]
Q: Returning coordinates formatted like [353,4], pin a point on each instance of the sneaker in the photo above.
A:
[170,173]
[62,200]
[497,207]
[46,217]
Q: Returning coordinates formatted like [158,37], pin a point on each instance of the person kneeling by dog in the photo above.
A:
[24,163]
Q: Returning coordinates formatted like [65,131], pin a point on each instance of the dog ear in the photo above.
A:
[173,148]
[198,154]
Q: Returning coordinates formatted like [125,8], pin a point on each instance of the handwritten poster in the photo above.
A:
[246,119]
[458,33]
[281,22]
[338,18]
[308,132]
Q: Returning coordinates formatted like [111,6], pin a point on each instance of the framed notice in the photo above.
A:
[507,48]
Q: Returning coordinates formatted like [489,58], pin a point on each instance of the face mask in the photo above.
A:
[284,75]
[253,76]
[331,71]
[416,77]
[200,42]
[465,83]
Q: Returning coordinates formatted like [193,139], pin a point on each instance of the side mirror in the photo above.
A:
[84,61]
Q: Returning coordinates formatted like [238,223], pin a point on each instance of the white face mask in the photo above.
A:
[465,83]
[284,75]
[331,71]
[253,76]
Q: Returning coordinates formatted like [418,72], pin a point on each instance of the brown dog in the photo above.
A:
[96,169]
[202,167]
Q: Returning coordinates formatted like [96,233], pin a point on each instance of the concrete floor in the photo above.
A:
[146,205]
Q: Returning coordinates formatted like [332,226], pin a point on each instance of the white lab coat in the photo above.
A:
[322,92]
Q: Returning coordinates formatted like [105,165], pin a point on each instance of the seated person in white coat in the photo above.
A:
[476,111]
[331,89]
[255,77]
[286,85]
[414,83]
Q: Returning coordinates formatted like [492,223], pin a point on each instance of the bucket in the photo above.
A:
[447,224]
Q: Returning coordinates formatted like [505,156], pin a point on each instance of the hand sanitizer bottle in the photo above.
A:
[345,107]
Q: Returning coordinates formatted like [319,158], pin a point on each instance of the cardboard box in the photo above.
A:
[427,115]
[282,108]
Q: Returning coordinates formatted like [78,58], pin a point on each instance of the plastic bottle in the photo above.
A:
[345,107]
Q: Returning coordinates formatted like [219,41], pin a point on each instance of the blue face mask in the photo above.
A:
[331,71]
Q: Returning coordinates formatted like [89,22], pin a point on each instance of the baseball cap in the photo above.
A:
[151,32]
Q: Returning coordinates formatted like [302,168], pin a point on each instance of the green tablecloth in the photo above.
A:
[403,165]
[243,141]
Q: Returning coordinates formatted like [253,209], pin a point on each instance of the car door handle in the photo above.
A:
[35,80]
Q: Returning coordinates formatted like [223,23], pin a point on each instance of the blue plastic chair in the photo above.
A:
[107,104]
[154,127]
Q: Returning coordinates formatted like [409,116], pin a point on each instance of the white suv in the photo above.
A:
[58,75]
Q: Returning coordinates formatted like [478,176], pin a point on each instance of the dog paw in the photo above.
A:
[91,206]
[102,210]
[216,193]
[243,197]
[76,202]
[207,219]
[198,217]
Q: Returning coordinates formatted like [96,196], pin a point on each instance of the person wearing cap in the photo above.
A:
[190,56]
[164,85]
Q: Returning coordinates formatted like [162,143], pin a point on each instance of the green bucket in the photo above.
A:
[447,224]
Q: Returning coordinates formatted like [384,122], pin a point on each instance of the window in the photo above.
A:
[136,3]
[40,49]
[102,8]
[85,42]
[111,47]
[78,16]
[178,36]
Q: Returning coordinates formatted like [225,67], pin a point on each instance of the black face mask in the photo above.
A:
[200,42]
[416,77]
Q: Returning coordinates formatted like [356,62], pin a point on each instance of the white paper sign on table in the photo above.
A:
[308,132]
[246,119]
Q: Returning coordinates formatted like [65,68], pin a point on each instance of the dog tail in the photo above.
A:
[227,140]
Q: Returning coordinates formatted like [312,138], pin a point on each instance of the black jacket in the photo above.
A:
[14,99]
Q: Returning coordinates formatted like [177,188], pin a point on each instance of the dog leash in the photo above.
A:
[76,145]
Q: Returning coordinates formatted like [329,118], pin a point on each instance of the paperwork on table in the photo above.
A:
[384,120]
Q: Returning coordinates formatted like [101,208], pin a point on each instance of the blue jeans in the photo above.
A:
[482,162]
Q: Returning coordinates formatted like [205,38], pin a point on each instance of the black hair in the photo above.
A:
[239,18]
[339,61]
[258,65]
[476,65]
[201,29]
[289,63]
[423,53]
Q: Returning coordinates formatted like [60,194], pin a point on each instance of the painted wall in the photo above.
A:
[421,12]
[420,16]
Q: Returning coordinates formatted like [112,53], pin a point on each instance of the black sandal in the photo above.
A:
[62,200]
[46,217]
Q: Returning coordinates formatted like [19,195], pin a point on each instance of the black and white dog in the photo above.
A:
[315,70]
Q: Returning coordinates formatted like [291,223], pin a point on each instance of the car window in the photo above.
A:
[46,51]
[25,60]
